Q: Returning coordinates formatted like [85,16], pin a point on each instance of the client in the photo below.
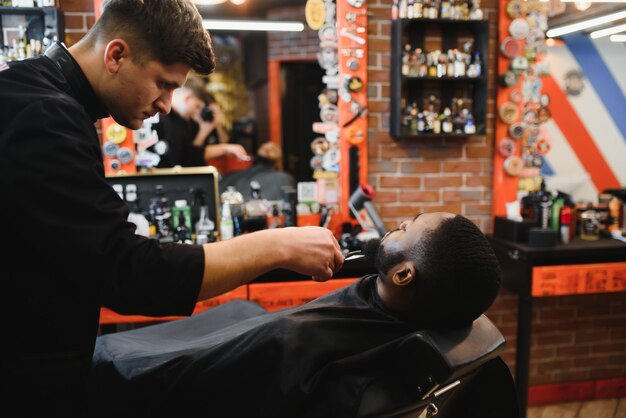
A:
[436,270]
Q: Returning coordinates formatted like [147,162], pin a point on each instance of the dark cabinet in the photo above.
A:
[438,64]
[27,31]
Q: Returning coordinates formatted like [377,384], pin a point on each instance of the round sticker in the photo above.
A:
[125,155]
[330,160]
[542,146]
[355,84]
[530,116]
[507,147]
[332,136]
[508,112]
[535,37]
[544,114]
[315,13]
[328,33]
[516,96]
[508,79]
[356,3]
[513,165]
[329,113]
[544,100]
[115,165]
[116,133]
[519,64]
[519,28]
[110,149]
[510,48]
[316,162]
[574,82]
[515,8]
[355,135]
[516,131]
[319,145]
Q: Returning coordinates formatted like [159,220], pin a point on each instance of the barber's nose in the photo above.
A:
[164,104]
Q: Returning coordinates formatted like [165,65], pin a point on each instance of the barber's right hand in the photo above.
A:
[312,251]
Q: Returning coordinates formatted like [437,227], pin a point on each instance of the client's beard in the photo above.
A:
[375,253]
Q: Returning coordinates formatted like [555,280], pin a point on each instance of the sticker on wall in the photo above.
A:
[319,145]
[513,165]
[515,8]
[574,82]
[510,47]
[519,28]
[115,133]
[507,147]
[508,112]
[315,14]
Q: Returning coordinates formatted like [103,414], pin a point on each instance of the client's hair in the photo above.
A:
[458,274]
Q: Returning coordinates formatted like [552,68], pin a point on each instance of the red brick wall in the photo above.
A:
[286,45]
[79,17]
[574,338]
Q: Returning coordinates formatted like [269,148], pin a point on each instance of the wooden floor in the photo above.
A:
[601,408]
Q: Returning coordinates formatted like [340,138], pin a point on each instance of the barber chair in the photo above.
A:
[448,374]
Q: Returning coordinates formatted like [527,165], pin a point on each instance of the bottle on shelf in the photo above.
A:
[161,213]
[476,13]
[226,224]
[237,208]
[256,209]
[182,233]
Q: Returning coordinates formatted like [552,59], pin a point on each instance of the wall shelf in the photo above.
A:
[442,35]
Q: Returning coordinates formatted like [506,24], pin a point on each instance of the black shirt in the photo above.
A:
[68,246]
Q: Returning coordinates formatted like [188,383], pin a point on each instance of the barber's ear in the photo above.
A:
[115,53]
[403,273]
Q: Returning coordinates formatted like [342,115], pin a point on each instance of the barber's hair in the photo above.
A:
[198,89]
[167,31]
[458,273]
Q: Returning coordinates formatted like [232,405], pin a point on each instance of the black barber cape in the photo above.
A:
[69,248]
[313,360]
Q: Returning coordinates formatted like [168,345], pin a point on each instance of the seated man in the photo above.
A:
[267,170]
[436,270]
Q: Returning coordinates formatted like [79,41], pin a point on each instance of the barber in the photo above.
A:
[71,248]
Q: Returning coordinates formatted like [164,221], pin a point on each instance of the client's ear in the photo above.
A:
[403,273]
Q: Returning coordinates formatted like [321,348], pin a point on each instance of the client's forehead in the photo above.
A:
[430,220]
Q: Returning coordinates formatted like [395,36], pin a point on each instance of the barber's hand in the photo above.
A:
[313,251]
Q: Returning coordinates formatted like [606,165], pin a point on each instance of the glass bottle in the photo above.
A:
[226,224]
[256,209]
[161,213]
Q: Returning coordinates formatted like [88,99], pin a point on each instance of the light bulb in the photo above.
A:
[582,5]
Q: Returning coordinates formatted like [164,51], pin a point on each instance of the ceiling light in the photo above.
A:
[582,5]
[214,2]
[585,24]
[208,2]
[618,38]
[595,1]
[253,25]
[608,31]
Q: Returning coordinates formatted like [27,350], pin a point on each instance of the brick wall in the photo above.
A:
[79,17]
[574,338]
[287,45]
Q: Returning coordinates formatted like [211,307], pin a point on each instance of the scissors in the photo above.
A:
[353,255]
